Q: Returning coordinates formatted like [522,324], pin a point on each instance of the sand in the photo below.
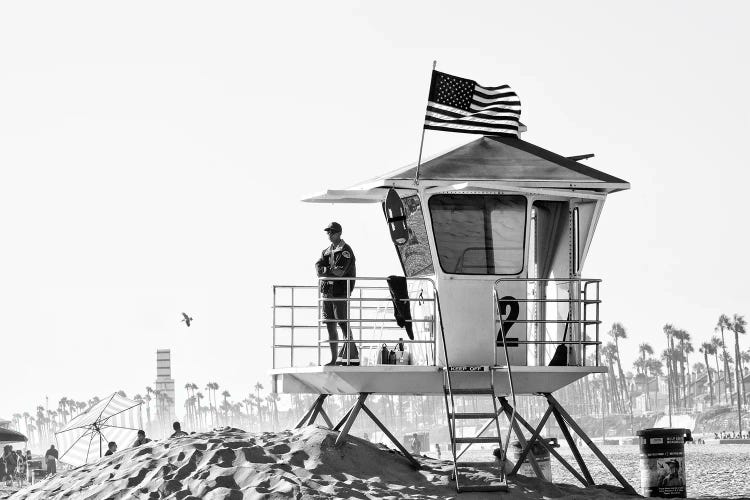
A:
[233,464]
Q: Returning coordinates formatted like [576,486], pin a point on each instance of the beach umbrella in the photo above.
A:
[84,439]
[9,436]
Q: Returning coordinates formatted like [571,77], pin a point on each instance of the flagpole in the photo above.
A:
[421,143]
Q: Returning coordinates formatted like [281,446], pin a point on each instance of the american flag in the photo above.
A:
[461,105]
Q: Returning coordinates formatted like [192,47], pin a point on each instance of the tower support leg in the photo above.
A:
[542,442]
[573,425]
[519,435]
[348,420]
[312,414]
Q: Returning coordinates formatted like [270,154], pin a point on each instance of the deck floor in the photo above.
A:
[423,380]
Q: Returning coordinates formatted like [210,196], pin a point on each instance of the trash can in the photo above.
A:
[663,462]
[37,475]
[542,458]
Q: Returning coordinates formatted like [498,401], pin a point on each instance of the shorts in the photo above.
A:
[334,309]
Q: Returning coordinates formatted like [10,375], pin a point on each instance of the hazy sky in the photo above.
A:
[153,155]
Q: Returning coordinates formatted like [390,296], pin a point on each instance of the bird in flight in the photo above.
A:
[187,319]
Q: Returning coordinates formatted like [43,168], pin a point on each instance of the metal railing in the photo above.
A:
[370,317]
[581,321]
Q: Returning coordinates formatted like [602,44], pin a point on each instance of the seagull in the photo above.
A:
[187,319]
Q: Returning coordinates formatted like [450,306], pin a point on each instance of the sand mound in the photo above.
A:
[233,464]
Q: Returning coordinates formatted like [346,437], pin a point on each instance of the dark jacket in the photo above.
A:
[340,257]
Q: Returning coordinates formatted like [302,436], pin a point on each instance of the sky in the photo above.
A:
[153,156]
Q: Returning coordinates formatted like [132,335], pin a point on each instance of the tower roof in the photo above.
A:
[506,160]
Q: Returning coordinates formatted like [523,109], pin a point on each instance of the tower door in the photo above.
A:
[479,238]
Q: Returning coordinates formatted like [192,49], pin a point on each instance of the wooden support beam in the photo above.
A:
[521,438]
[316,410]
[549,448]
[325,417]
[611,468]
[573,447]
[341,422]
[532,439]
[350,419]
[391,436]
[305,420]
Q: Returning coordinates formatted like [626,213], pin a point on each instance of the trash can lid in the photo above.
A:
[662,431]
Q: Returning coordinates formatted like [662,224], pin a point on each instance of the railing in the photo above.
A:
[577,312]
[299,328]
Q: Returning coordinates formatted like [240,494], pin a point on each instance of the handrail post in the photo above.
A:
[349,334]
[598,361]
[359,314]
[585,325]
[319,318]
[291,342]
[273,354]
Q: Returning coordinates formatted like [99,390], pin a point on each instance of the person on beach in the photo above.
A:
[111,448]
[416,444]
[20,467]
[337,261]
[437,450]
[141,439]
[50,458]
[11,462]
[28,460]
[178,432]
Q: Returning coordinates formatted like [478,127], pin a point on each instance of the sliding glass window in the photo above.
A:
[479,234]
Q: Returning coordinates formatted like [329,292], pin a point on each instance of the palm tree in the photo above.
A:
[214,388]
[725,323]
[645,348]
[667,356]
[641,378]
[209,388]
[654,367]
[196,411]
[717,345]
[26,418]
[708,348]
[226,405]
[618,332]
[189,407]
[682,336]
[671,360]
[738,325]
[247,403]
[687,350]
[608,351]
[61,405]
[198,397]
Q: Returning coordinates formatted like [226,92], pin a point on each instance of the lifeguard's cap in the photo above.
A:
[333,227]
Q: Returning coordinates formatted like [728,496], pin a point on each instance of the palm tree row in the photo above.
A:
[41,424]
[612,391]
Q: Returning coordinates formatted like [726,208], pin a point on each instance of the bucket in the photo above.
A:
[663,462]
[542,458]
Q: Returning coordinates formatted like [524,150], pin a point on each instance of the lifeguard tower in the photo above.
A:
[492,238]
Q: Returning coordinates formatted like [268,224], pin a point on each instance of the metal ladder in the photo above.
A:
[488,390]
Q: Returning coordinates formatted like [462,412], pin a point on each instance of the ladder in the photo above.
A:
[482,386]
[463,483]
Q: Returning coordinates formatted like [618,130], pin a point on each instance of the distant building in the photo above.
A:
[164,387]
[4,424]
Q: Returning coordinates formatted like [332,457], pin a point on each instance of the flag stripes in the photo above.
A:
[461,105]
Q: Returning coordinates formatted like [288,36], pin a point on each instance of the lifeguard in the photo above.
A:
[338,261]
